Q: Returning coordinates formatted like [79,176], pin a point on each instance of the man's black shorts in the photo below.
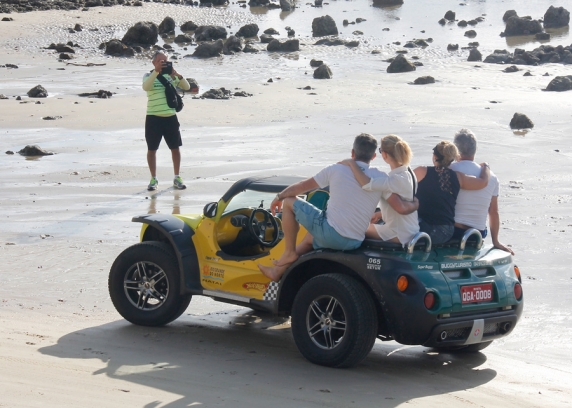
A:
[157,127]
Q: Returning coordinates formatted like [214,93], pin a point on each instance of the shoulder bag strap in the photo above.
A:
[414,180]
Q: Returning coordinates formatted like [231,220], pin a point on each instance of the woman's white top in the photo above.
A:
[400,182]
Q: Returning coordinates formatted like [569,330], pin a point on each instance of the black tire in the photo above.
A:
[322,305]
[144,284]
[471,348]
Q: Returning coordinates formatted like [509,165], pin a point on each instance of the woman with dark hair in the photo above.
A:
[438,189]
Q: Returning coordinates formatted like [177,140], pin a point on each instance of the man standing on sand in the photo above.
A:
[161,120]
[349,211]
[473,206]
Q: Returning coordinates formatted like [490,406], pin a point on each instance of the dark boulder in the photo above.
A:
[352,44]
[542,36]
[424,80]
[512,68]
[290,32]
[231,45]
[34,150]
[249,30]
[450,15]
[400,64]
[209,33]
[167,26]
[422,43]
[248,48]
[330,42]
[471,33]
[387,3]
[271,31]
[556,17]
[521,121]
[316,63]
[209,49]
[323,72]
[266,38]
[77,27]
[452,47]
[498,57]
[189,26]
[183,38]
[38,92]
[286,46]
[64,48]
[117,48]
[65,56]
[287,5]
[462,23]
[442,21]
[220,93]
[560,84]
[508,14]
[522,26]
[475,55]
[322,26]
[142,33]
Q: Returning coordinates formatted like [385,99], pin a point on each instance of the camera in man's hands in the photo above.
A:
[167,68]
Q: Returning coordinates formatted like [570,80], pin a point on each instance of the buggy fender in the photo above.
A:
[179,235]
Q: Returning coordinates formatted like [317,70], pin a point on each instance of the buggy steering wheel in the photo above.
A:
[258,229]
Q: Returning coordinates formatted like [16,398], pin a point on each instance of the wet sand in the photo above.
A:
[67,216]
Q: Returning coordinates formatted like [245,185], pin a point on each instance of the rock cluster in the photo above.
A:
[541,55]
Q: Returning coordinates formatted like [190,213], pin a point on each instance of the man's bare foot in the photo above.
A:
[275,272]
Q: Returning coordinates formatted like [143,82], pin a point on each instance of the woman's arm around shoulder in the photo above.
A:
[472,182]
[360,176]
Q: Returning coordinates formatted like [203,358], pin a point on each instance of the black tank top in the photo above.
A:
[437,194]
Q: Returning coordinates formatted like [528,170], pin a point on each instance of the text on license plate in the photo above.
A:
[477,293]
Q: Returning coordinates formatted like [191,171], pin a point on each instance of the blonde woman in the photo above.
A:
[438,190]
[401,181]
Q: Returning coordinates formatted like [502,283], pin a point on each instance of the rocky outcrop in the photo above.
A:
[167,26]
[286,46]
[232,45]
[400,64]
[249,30]
[209,49]
[541,55]
[38,92]
[450,15]
[522,26]
[220,93]
[322,26]
[560,84]
[210,33]
[323,72]
[142,33]
[521,121]
[556,17]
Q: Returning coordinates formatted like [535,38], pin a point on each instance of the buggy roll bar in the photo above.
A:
[469,233]
[417,237]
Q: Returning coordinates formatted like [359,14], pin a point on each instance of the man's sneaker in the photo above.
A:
[153,184]
[178,183]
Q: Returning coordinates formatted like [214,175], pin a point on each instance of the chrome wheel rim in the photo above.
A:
[326,322]
[146,286]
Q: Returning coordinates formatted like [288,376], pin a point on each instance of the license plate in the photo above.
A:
[477,293]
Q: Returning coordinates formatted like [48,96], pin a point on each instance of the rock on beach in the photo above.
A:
[521,121]
[400,64]
[560,84]
[34,150]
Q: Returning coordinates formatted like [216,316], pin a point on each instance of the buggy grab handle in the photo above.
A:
[469,233]
[417,237]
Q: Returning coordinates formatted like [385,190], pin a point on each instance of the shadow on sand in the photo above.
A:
[251,359]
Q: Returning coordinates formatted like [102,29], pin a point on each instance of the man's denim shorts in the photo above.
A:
[325,236]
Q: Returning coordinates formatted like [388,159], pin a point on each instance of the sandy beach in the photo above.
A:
[65,217]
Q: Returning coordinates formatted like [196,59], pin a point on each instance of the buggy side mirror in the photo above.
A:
[210,210]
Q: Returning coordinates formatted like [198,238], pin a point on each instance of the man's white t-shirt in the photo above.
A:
[400,182]
[350,207]
[472,207]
